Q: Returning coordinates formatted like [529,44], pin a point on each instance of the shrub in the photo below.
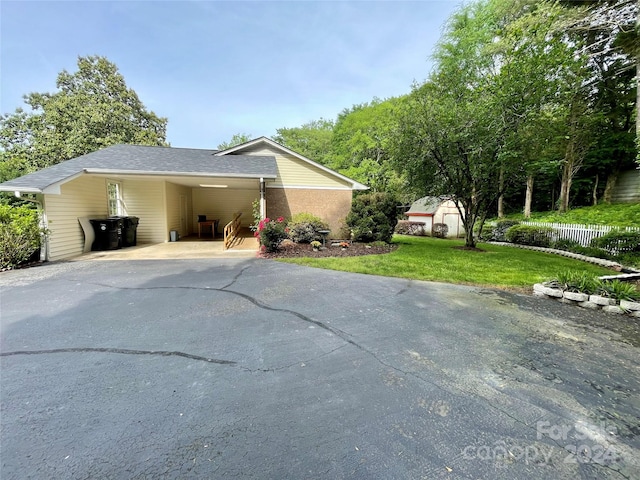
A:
[440,230]
[592,252]
[565,244]
[618,241]
[304,228]
[406,227]
[270,233]
[500,229]
[487,233]
[529,235]
[19,235]
[372,217]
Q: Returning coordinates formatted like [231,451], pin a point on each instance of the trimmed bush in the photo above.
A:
[487,233]
[304,228]
[440,230]
[529,235]
[618,241]
[19,235]
[405,227]
[500,229]
[565,244]
[373,217]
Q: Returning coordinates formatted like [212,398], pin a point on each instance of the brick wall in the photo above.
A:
[332,206]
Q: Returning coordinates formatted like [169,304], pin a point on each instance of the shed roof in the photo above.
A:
[147,160]
[426,205]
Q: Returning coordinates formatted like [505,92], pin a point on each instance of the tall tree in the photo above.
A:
[92,108]
[448,147]
[313,140]
[361,141]
[236,139]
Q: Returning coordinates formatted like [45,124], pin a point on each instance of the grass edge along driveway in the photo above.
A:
[434,259]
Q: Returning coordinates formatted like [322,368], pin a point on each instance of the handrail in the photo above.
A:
[231,230]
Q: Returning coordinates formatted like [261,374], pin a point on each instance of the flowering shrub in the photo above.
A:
[270,233]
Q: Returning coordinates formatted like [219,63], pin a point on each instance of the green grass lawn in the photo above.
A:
[619,215]
[426,258]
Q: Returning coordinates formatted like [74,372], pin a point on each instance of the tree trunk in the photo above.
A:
[469,240]
[565,188]
[501,197]
[608,189]
[528,198]
[595,191]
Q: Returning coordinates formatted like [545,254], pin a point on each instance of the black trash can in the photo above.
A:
[130,231]
[108,233]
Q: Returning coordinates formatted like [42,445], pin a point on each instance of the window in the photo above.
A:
[114,197]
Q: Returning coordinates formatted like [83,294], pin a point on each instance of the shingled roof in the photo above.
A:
[425,206]
[138,159]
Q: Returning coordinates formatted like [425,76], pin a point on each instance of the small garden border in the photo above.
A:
[576,256]
[591,302]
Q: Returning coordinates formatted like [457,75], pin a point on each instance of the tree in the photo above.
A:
[92,109]
[313,140]
[361,142]
[448,147]
[237,139]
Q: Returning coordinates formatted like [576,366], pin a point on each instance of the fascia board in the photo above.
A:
[107,171]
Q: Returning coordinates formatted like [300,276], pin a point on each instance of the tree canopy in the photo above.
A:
[92,108]
[236,139]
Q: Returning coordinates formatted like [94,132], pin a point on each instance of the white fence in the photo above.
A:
[583,234]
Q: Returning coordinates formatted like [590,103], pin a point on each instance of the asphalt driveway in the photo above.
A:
[249,368]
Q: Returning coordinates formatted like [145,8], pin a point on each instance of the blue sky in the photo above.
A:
[217,68]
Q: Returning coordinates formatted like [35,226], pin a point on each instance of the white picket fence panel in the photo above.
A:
[583,234]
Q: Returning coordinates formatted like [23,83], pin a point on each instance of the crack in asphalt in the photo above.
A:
[344,336]
[124,351]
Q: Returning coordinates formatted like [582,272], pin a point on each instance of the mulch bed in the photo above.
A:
[297,250]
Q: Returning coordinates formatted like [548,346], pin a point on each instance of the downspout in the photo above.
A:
[263,199]
[42,221]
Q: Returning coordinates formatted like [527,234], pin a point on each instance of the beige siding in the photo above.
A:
[174,192]
[222,203]
[146,200]
[295,172]
[83,197]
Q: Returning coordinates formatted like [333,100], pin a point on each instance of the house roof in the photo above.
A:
[146,160]
[267,141]
[426,206]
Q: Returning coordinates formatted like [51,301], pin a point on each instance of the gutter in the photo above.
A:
[107,171]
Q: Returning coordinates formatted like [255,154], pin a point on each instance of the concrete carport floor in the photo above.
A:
[252,368]
[244,245]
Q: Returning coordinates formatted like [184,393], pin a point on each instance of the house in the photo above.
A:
[169,188]
[432,210]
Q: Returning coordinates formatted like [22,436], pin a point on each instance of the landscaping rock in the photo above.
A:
[539,288]
[589,305]
[553,292]
[630,306]
[613,309]
[576,297]
[604,301]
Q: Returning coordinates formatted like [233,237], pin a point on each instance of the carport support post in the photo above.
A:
[263,200]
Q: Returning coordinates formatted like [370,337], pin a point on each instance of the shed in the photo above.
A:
[432,210]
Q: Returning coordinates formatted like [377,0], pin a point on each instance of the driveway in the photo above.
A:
[249,368]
